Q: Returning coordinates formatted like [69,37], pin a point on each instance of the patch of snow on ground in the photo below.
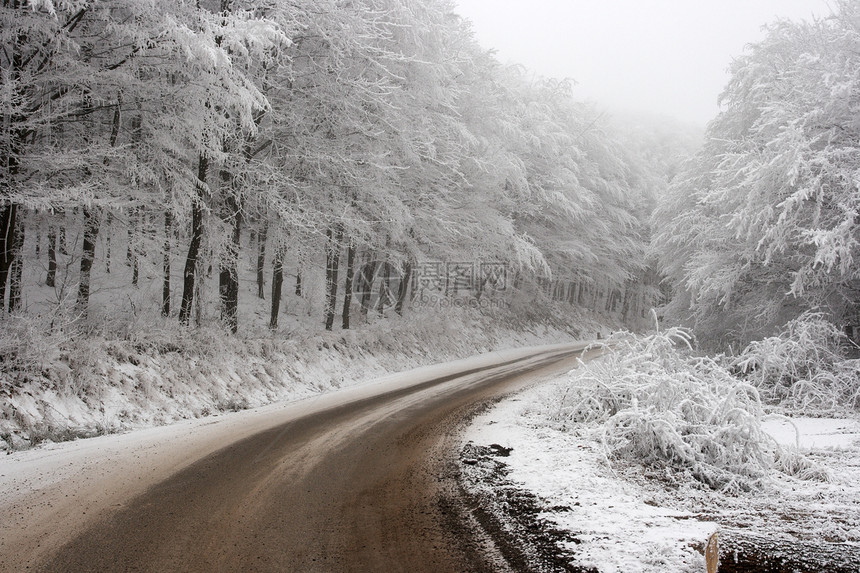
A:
[619,527]
[813,433]
[627,522]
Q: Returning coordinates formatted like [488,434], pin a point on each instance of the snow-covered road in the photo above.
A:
[341,480]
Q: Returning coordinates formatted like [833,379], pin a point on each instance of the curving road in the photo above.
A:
[365,485]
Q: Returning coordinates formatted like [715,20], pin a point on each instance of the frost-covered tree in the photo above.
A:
[58,86]
[331,110]
[572,192]
[370,140]
[226,102]
[763,224]
[105,101]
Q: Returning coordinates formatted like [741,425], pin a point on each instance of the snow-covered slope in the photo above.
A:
[94,386]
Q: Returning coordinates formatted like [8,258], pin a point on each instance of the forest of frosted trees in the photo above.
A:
[183,157]
[175,173]
[761,226]
[320,148]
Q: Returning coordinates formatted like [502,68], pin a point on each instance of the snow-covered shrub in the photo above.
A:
[27,346]
[804,368]
[651,402]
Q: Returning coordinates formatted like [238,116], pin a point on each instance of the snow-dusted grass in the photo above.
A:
[805,368]
[646,451]
[626,521]
[651,401]
[57,385]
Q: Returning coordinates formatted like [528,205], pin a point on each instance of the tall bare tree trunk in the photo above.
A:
[135,234]
[228,275]
[262,236]
[404,288]
[384,289]
[91,232]
[135,270]
[347,289]
[332,257]
[107,235]
[51,278]
[190,272]
[629,290]
[165,265]
[17,268]
[62,240]
[277,284]
[8,222]
[199,287]
[368,272]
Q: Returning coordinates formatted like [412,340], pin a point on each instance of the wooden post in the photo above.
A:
[712,553]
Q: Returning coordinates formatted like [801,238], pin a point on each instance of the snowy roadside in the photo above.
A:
[96,387]
[616,520]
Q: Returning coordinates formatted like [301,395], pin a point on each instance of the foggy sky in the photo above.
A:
[661,56]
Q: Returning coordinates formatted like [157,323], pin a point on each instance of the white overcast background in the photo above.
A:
[668,57]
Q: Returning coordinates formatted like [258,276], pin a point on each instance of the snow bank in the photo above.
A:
[85,386]
[616,523]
